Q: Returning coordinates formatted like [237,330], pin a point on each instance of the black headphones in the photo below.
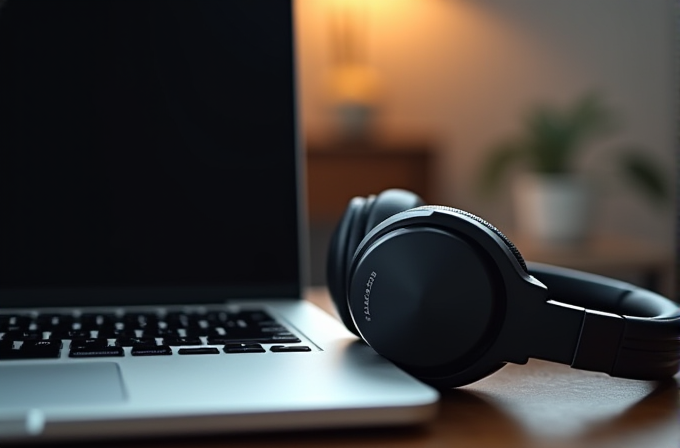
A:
[448,298]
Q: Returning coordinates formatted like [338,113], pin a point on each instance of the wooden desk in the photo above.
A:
[537,405]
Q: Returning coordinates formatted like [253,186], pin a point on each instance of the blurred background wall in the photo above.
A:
[461,74]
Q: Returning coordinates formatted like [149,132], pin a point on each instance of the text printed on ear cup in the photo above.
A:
[367,296]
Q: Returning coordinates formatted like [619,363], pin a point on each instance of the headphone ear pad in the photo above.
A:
[360,217]
[338,256]
[389,203]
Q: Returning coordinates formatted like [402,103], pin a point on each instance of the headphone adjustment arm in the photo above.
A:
[553,332]
[581,338]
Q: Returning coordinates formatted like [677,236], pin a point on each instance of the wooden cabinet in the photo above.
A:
[338,172]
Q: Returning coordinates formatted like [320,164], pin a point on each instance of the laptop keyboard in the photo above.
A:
[95,335]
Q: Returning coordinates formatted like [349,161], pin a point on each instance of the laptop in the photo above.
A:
[152,231]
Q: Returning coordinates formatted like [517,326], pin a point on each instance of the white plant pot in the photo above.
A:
[552,209]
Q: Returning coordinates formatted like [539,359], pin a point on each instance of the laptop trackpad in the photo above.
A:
[43,385]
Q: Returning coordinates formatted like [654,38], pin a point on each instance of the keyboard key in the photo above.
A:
[148,350]
[217,317]
[199,351]
[135,342]
[157,332]
[140,321]
[71,334]
[33,349]
[197,331]
[243,348]
[62,328]
[286,338]
[22,335]
[96,321]
[219,340]
[274,329]
[14,322]
[256,315]
[175,341]
[102,327]
[93,343]
[51,322]
[115,333]
[289,348]
[7,350]
[177,320]
[45,348]
[96,352]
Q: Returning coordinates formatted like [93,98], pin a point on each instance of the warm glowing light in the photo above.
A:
[356,84]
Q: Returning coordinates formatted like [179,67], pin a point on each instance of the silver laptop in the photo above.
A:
[151,270]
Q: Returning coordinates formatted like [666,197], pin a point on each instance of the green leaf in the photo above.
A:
[550,145]
[643,173]
[503,156]
[589,118]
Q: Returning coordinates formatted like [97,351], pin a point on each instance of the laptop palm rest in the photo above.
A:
[44,385]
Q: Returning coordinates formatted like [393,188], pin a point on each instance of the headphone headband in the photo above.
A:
[625,331]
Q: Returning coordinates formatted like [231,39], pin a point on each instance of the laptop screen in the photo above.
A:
[147,147]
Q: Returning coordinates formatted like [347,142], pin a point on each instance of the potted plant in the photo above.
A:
[552,198]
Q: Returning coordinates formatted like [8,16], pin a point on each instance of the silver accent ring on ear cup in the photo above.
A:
[505,239]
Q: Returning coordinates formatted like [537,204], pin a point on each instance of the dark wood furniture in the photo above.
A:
[340,170]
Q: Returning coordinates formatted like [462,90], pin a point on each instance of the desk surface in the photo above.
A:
[537,405]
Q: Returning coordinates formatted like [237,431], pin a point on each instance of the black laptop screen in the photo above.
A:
[148,144]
